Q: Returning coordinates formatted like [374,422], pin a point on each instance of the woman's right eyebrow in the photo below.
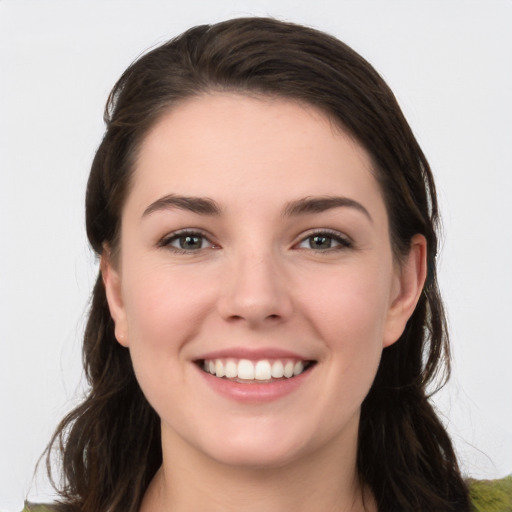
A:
[199,205]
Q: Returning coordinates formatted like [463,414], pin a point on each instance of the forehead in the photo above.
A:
[252,149]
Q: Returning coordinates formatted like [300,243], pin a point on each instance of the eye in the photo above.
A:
[186,241]
[324,241]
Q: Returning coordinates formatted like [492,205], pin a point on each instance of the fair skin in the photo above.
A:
[285,258]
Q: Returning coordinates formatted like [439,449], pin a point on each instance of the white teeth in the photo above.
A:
[277,370]
[219,368]
[298,368]
[288,369]
[231,369]
[245,369]
[262,370]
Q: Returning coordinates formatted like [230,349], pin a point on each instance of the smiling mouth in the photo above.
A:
[246,371]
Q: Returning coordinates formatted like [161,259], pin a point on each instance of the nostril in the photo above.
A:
[235,318]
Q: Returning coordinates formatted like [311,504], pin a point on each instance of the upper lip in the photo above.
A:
[252,354]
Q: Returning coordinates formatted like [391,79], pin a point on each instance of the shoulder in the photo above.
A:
[486,496]
[491,495]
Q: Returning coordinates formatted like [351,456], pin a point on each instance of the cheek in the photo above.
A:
[162,304]
[349,308]
[163,311]
[349,312]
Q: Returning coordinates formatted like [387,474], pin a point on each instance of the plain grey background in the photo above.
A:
[449,63]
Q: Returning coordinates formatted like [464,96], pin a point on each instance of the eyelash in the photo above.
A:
[342,241]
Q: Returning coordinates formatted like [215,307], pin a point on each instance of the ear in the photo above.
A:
[407,289]
[112,282]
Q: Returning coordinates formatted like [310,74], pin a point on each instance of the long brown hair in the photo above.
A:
[110,444]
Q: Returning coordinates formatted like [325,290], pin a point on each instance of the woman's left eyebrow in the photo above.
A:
[199,205]
[320,204]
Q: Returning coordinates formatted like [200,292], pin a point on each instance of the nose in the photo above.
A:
[255,290]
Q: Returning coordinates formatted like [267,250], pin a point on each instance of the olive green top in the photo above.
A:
[491,495]
[486,496]
[32,507]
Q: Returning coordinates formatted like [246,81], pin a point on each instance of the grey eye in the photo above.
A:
[188,242]
[324,242]
[320,242]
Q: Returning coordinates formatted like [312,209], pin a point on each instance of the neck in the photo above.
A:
[190,480]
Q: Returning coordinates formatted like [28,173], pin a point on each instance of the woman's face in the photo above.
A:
[255,244]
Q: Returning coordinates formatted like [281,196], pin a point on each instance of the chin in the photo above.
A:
[255,457]
[262,446]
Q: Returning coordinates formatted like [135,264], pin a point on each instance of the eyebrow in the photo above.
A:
[309,205]
[207,206]
[199,205]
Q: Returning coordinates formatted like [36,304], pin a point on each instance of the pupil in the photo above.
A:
[190,242]
[321,242]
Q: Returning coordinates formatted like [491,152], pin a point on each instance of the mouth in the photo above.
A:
[260,371]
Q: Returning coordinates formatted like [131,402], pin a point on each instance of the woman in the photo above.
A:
[267,320]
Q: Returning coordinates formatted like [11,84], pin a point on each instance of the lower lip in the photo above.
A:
[252,391]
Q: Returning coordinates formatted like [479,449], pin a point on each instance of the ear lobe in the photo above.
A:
[410,281]
[112,283]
